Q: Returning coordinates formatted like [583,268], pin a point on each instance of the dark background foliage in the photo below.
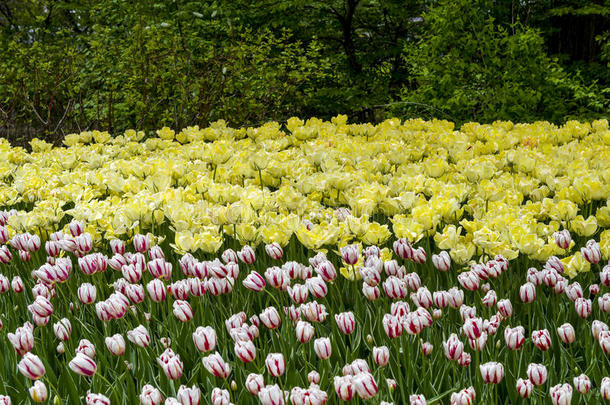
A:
[72,65]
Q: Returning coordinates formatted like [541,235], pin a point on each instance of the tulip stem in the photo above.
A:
[116,396]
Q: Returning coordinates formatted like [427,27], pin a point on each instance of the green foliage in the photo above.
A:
[72,65]
[476,69]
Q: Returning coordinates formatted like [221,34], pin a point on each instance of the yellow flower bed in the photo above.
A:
[478,191]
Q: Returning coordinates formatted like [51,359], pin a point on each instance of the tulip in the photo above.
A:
[463,397]
[313,377]
[83,365]
[150,396]
[115,344]
[41,307]
[317,287]
[216,365]
[183,311]
[464,360]
[189,396]
[350,254]
[381,355]
[604,303]
[298,293]
[563,238]
[204,339]
[274,251]
[254,383]
[505,308]
[96,399]
[583,307]
[62,329]
[427,348]
[270,318]
[453,347]
[591,253]
[323,348]
[156,290]
[245,351]
[394,288]
[344,387]
[456,297]
[254,282]
[417,400]
[346,322]
[524,388]
[31,366]
[5,255]
[492,372]
[442,261]
[139,336]
[220,397]
[370,293]
[537,373]
[473,328]
[392,325]
[604,388]
[365,385]
[604,341]
[582,383]
[304,331]
[159,268]
[527,292]
[514,337]
[22,340]
[561,394]
[39,392]
[275,364]
[597,327]
[326,270]
[566,333]
[469,280]
[271,395]
[403,249]
[542,339]
[172,367]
